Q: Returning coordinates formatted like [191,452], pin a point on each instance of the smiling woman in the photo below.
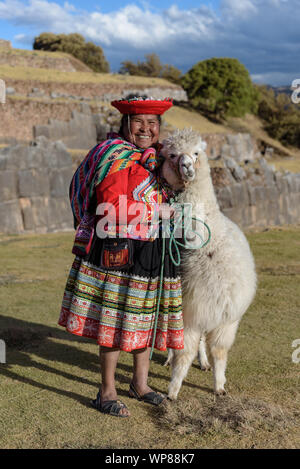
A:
[112,289]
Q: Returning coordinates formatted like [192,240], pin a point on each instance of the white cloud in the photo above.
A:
[238,8]
[262,34]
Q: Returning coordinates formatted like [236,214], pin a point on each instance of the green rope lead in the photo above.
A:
[159,293]
[187,245]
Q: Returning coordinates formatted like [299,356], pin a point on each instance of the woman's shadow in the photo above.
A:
[23,339]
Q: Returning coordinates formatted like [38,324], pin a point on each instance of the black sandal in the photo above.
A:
[152,397]
[109,407]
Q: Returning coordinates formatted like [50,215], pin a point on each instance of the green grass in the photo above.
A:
[50,375]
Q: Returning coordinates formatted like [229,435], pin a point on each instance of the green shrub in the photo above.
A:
[281,117]
[74,44]
[220,87]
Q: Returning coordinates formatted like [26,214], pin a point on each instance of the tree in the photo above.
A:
[151,67]
[221,87]
[281,117]
[74,44]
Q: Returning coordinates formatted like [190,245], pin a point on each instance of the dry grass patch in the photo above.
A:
[181,117]
[230,415]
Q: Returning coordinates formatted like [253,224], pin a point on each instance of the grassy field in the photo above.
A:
[50,376]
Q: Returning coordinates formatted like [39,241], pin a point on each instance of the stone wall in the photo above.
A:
[34,183]
[257,197]
[83,130]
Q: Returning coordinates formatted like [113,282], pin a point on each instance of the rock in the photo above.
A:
[236,170]
[10,90]
[8,185]
[36,93]
[267,171]
[269,152]
[11,220]
[240,147]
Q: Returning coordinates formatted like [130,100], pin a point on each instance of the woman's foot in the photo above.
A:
[146,394]
[111,396]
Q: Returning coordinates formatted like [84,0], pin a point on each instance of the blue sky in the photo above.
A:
[263,34]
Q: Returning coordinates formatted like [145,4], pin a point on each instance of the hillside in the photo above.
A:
[41,59]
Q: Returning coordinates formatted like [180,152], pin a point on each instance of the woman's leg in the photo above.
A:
[141,365]
[139,388]
[108,361]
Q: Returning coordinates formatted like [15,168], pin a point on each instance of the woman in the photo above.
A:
[112,289]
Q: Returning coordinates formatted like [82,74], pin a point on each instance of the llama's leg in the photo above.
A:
[170,357]
[219,342]
[202,357]
[182,360]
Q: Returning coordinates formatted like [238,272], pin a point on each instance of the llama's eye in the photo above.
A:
[172,155]
[196,154]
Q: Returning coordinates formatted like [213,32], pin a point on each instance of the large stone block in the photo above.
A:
[239,147]
[60,214]
[41,130]
[35,213]
[267,171]
[235,214]
[60,182]
[236,170]
[17,157]
[11,220]
[8,185]
[34,182]
[60,157]
[240,194]
[247,219]
[272,211]
[225,197]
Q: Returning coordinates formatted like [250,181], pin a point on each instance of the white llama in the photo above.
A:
[218,280]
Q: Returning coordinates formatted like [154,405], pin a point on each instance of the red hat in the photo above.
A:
[143,106]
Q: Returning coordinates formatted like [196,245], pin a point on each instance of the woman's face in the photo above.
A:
[144,130]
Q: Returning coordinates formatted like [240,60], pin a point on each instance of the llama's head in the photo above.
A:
[182,150]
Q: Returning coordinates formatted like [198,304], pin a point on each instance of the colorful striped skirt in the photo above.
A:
[117,308]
